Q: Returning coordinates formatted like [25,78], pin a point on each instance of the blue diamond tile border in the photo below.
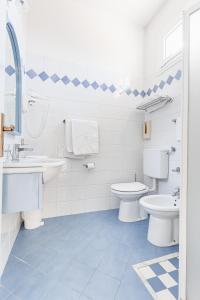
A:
[55,78]
[95,85]
[112,88]
[32,74]
[43,76]
[65,80]
[162,84]
[128,92]
[178,75]
[103,87]
[170,79]
[85,84]
[136,93]
[10,70]
[143,94]
[76,82]
[149,92]
[155,88]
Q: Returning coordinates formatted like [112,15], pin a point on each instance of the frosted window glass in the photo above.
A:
[173,42]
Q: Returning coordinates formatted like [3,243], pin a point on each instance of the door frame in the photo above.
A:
[184,156]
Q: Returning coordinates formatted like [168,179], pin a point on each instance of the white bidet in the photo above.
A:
[164,219]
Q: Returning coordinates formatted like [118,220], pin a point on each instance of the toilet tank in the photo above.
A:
[156,163]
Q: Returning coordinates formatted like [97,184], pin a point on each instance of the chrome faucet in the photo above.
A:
[17,148]
[176,193]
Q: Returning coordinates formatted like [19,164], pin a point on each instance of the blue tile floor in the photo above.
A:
[86,257]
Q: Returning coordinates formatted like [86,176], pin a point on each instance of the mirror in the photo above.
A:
[13,83]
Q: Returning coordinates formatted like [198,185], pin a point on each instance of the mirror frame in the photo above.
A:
[18,74]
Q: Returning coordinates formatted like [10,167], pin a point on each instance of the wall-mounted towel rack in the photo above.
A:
[155,104]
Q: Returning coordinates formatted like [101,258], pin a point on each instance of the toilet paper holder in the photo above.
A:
[89,165]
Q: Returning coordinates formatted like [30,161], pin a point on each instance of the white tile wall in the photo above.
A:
[76,189]
[164,130]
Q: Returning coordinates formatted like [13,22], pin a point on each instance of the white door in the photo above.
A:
[190,197]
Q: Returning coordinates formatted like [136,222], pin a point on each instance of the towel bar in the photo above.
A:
[162,101]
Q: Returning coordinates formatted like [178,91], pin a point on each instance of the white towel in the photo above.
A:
[85,137]
[68,135]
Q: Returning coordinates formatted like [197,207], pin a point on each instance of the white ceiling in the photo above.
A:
[139,11]
[143,11]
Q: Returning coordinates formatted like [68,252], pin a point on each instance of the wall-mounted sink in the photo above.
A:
[50,167]
[22,166]
[23,180]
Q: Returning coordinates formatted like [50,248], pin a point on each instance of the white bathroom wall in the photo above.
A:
[166,81]
[88,46]
[87,35]
[11,222]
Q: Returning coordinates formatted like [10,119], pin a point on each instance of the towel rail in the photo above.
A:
[156,104]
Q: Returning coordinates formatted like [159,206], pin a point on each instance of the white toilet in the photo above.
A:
[129,195]
[164,219]
[155,165]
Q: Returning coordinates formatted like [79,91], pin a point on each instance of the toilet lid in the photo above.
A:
[129,187]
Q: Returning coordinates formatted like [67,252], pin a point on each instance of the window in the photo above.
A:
[173,43]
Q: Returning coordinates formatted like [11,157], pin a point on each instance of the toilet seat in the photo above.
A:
[132,187]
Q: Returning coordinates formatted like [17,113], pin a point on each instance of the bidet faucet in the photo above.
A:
[176,193]
[17,148]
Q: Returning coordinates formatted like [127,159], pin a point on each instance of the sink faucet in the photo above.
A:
[17,148]
[176,192]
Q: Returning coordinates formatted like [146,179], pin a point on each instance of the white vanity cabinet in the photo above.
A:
[22,192]
[23,182]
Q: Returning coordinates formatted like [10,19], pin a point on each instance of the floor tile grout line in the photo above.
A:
[9,293]
[117,290]
[12,294]
[92,275]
